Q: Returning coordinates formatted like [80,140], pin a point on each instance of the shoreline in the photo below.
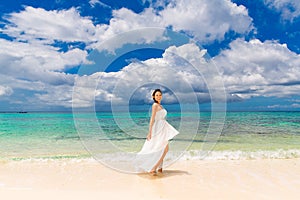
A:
[191,154]
[186,179]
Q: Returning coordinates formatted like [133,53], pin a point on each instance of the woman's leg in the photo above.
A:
[161,159]
[159,168]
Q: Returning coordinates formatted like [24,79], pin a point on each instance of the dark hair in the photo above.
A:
[153,94]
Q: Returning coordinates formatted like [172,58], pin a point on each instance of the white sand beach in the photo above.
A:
[200,179]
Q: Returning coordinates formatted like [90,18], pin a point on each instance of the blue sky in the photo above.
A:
[48,47]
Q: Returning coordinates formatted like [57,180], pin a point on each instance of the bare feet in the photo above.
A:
[152,173]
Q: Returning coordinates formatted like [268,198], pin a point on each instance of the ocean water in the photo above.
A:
[245,135]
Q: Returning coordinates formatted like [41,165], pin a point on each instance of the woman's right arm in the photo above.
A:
[154,109]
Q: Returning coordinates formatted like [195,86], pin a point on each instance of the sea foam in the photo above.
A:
[240,155]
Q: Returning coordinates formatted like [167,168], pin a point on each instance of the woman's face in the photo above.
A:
[158,96]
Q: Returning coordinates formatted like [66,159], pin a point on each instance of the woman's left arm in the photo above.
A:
[154,109]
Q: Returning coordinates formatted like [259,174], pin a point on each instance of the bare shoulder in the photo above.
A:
[155,106]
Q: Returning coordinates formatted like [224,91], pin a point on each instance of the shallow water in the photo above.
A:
[255,134]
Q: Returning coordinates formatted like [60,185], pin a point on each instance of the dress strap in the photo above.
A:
[160,106]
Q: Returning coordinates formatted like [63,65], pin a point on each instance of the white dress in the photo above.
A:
[153,149]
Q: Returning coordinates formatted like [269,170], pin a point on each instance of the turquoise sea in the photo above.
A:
[245,135]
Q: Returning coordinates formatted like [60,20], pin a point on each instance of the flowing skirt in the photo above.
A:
[153,149]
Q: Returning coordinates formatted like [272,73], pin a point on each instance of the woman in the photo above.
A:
[156,145]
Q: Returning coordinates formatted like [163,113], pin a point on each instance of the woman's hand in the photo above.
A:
[149,136]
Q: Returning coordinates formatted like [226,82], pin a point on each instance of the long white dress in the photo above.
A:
[153,149]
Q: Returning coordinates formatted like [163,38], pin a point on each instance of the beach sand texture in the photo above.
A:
[191,179]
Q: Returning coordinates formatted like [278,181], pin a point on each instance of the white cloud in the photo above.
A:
[93,3]
[248,68]
[291,106]
[37,25]
[38,62]
[5,91]
[173,71]
[34,68]
[48,26]
[258,68]
[123,22]
[16,83]
[54,95]
[146,35]
[207,20]
[289,9]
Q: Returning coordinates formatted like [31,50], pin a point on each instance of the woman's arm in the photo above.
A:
[154,109]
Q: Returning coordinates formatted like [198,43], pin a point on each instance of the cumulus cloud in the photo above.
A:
[182,72]
[54,95]
[36,69]
[207,20]
[15,83]
[147,35]
[28,61]
[248,69]
[289,9]
[258,68]
[37,25]
[5,91]
[38,62]
[200,19]
[48,26]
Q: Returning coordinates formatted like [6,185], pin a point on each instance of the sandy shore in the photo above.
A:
[201,179]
